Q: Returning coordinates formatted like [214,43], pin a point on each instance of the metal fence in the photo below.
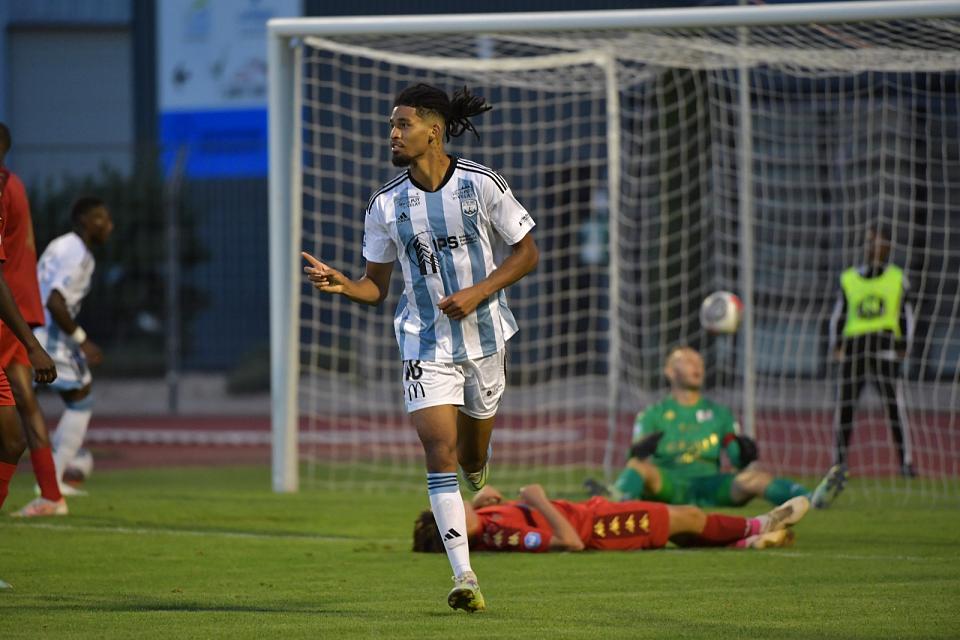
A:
[182,284]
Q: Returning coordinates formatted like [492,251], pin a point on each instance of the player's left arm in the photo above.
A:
[44,370]
[522,260]
[513,224]
[565,537]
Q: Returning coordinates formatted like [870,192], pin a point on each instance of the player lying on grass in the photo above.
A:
[536,524]
[678,442]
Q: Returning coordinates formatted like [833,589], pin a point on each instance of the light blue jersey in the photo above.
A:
[444,241]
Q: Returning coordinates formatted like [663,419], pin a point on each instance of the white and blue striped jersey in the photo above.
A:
[66,265]
[444,241]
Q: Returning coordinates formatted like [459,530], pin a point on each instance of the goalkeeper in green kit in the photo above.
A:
[677,450]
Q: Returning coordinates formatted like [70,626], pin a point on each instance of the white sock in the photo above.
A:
[447,506]
[69,437]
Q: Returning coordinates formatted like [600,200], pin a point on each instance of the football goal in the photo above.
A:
[664,155]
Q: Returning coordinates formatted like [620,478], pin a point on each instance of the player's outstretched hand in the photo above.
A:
[92,353]
[44,370]
[323,277]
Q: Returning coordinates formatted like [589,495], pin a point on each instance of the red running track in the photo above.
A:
[790,442]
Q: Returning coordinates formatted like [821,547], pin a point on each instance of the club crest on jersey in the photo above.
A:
[531,540]
[704,414]
[469,206]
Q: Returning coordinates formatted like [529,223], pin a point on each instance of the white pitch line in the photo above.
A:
[200,533]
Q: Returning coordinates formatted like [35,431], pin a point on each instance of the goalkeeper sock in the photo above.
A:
[447,506]
[629,486]
[780,490]
[6,472]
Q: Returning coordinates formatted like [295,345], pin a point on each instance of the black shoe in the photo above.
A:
[907,471]
[595,488]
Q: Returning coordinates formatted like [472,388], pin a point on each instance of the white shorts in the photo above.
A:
[72,369]
[475,386]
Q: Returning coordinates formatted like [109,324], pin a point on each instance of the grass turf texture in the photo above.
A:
[214,554]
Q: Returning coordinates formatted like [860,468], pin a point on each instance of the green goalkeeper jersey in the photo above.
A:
[693,436]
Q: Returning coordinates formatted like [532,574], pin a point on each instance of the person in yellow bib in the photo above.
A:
[871,330]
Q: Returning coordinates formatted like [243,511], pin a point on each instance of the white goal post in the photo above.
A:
[647,209]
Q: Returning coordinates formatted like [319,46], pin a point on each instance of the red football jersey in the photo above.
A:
[20,251]
[600,523]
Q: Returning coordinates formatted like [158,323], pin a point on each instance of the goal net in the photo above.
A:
[660,164]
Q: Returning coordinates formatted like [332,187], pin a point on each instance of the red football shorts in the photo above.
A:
[6,394]
[11,350]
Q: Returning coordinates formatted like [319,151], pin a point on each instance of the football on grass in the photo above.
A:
[720,312]
[80,468]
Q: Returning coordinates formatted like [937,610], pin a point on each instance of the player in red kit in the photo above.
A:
[12,441]
[20,271]
[537,524]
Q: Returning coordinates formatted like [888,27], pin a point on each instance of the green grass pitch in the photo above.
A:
[193,553]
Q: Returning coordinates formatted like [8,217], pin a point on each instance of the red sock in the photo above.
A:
[6,472]
[722,530]
[46,473]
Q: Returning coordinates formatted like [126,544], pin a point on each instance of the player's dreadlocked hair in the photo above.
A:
[426,534]
[455,112]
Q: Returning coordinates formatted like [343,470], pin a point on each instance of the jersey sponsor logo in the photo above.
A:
[407,202]
[465,192]
[452,242]
[469,206]
[704,414]
[415,391]
[403,216]
[532,540]
[525,219]
[419,250]
[871,307]
[496,389]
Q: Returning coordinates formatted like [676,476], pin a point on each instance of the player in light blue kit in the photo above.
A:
[440,219]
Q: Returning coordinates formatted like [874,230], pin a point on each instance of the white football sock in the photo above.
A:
[68,437]
[447,506]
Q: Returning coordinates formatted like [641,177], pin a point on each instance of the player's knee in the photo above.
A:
[644,468]
[752,481]
[13,442]
[440,456]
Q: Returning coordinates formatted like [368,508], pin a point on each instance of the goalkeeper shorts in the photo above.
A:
[704,491]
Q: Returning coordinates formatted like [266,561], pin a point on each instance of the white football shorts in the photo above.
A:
[475,386]
[72,369]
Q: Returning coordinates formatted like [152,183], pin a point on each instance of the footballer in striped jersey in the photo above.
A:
[441,219]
